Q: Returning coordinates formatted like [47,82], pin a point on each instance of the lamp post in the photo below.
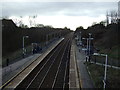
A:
[80,36]
[105,72]
[23,44]
[80,42]
[32,48]
[89,48]
[86,48]
[47,39]
[89,42]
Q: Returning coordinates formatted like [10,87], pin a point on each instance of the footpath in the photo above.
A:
[85,79]
[10,71]
[79,76]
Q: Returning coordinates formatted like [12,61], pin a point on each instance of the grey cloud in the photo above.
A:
[54,8]
[91,9]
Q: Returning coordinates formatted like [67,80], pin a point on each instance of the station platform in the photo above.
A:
[23,67]
[74,81]
[79,76]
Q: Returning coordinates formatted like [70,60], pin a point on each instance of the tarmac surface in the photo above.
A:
[84,76]
[12,69]
[79,77]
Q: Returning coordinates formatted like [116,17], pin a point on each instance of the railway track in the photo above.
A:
[53,71]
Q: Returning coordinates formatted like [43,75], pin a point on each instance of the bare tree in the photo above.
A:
[112,17]
[32,20]
[119,11]
[20,21]
[107,18]
[39,25]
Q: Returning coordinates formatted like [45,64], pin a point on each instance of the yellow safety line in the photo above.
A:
[17,74]
[80,82]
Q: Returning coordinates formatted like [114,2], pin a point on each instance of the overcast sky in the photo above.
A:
[59,14]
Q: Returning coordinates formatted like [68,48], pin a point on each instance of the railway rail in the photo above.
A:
[53,71]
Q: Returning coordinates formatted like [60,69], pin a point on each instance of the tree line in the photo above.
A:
[12,35]
[104,36]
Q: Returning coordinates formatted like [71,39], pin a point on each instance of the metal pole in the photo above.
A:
[45,39]
[32,48]
[77,38]
[105,74]
[80,36]
[23,45]
[87,49]
[89,42]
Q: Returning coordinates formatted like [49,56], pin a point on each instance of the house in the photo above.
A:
[8,24]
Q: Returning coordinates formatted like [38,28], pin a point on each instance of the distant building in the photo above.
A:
[8,23]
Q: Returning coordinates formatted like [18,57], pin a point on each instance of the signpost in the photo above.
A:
[105,72]
[88,49]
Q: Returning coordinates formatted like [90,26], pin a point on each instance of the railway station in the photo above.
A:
[57,67]
[59,45]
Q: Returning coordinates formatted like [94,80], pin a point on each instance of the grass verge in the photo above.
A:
[15,55]
[97,74]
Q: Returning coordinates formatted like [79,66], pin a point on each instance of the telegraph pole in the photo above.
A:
[89,47]
[24,44]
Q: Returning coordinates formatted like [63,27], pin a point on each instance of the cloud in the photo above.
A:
[60,14]
[59,1]
[57,8]
[62,21]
